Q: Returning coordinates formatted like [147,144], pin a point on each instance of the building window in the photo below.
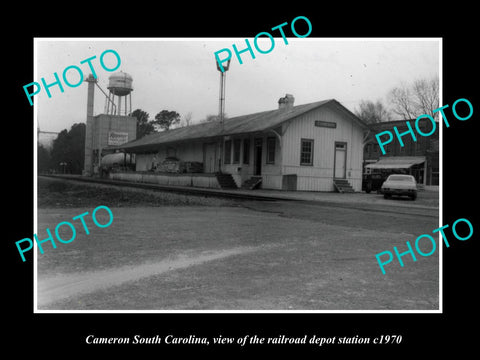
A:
[246,151]
[227,152]
[270,150]
[306,152]
[236,151]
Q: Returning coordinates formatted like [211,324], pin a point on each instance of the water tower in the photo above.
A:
[112,128]
[119,86]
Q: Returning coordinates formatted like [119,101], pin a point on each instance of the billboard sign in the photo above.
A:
[117,138]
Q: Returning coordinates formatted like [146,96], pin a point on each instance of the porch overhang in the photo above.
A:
[397,162]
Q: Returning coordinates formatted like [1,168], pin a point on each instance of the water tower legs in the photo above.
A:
[130,96]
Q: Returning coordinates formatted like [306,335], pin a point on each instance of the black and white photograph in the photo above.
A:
[260,187]
[221,180]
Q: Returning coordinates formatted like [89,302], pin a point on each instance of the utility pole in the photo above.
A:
[223,77]
[221,105]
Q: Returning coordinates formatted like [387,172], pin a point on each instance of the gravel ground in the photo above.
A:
[168,251]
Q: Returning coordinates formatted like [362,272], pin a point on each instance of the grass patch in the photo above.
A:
[60,193]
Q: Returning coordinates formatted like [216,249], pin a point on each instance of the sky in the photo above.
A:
[180,74]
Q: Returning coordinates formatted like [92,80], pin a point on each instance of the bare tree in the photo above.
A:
[400,98]
[426,94]
[187,119]
[212,117]
[411,101]
[372,112]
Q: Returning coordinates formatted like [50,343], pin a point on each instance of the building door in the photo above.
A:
[258,156]
[209,155]
[340,161]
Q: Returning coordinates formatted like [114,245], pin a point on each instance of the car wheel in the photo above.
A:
[386,196]
[414,196]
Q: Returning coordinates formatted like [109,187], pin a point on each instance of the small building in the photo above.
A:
[102,131]
[304,147]
[418,158]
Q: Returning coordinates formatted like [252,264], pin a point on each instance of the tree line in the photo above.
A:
[67,153]
[404,102]
[164,121]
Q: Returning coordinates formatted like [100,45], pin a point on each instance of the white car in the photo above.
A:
[399,185]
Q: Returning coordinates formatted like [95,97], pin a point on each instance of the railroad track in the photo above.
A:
[243,195]
[232,194]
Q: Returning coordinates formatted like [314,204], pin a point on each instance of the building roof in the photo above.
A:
[244,124]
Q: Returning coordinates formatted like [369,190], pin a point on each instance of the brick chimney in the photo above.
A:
[286,102]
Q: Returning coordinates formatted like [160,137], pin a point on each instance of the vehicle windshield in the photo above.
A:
[400,178]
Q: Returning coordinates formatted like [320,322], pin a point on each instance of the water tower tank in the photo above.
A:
[120,83]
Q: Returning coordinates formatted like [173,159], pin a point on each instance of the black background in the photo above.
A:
[64,334]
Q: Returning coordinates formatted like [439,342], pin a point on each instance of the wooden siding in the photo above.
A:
[319,176]
[272,182]
[242,172]
[143,162]
[315,177]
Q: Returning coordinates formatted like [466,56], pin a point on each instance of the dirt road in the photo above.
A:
[274,256]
